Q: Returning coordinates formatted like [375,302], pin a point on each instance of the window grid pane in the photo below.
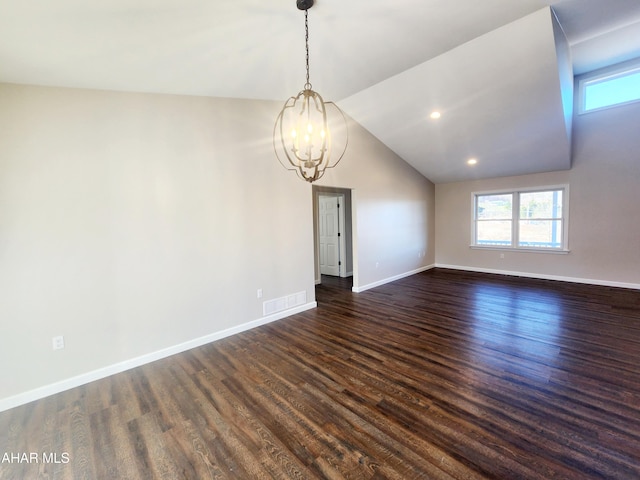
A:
[494,232]
[540,233]
[494,207]
[540,222]
[541,205]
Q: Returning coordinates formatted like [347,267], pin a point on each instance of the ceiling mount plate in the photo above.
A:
[304,4]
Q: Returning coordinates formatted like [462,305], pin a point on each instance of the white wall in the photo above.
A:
[604,222]
[137,225]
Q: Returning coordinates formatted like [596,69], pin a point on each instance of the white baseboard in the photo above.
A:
[45,391]
[391,279]
[589,281]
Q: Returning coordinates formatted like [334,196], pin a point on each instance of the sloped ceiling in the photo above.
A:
[490,66]
[601,33]
[500,102]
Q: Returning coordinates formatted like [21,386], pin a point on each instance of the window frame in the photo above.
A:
[516,218]
[603,75]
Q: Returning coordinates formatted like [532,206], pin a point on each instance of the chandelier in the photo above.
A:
[310,135]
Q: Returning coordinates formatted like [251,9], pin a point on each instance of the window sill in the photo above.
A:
[554,251]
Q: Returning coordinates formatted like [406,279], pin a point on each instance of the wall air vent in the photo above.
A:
[284,303]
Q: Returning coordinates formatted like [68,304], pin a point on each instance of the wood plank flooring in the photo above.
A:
[442,375]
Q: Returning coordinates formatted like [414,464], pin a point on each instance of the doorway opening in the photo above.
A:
[333,236]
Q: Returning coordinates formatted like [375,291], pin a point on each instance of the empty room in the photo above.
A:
[320,239]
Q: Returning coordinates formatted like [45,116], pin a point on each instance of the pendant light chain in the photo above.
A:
[307,86]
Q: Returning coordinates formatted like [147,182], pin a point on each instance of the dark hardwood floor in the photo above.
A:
[440,375]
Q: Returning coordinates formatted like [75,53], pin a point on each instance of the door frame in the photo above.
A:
[348,264]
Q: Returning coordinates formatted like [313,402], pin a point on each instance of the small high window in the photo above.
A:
[609,87]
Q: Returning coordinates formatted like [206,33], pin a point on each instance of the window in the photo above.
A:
[527,219]
[609,87]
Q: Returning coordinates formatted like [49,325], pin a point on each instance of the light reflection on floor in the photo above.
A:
[524,324]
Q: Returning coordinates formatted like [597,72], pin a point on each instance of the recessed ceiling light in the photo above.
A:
[435,115]
[472,161]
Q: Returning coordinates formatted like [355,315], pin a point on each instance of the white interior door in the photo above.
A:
[329,234]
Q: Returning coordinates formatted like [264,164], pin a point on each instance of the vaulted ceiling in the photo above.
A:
[499,71]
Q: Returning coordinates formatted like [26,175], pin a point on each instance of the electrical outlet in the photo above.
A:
[259,293]
[58,342]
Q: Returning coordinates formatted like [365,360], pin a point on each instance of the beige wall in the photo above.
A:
[137,225]
[132,223]
[604,222]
